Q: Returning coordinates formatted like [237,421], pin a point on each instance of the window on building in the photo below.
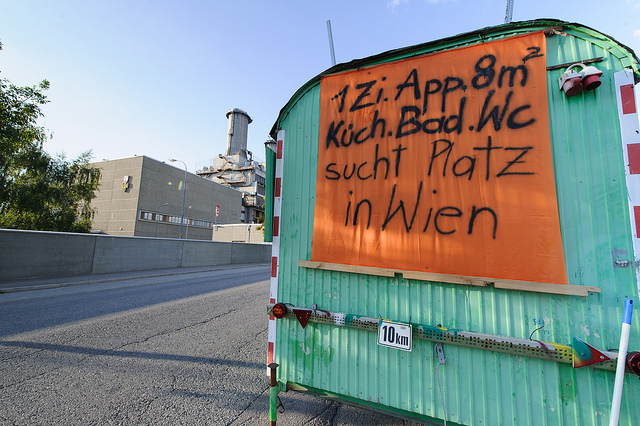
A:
[147,216]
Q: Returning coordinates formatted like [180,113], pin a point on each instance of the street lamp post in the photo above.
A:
[184,191]
[157,217]
[186,234]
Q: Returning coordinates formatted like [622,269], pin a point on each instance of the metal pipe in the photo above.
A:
[186,235]
[157,217]
[273,395]
[508,16]
[622,364]
[184,192]
[333,53]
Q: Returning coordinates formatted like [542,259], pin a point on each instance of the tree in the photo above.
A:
[38,191]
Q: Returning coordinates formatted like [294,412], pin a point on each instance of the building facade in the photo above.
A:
[140,196]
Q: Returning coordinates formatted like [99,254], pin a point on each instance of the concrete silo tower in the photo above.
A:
[237,168]
[237,135]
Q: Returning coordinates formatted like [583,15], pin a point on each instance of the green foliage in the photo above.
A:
[38,191]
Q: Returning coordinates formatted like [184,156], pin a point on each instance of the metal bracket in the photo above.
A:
[550,351]
[440,352]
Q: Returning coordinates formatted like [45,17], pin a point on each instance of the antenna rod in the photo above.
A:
[509,13]
[333,54]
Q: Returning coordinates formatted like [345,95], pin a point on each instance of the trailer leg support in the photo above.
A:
[273,395]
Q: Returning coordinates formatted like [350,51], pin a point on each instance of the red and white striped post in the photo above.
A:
[275,247]
[630,129]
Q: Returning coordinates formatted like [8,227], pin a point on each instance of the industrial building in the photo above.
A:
[140,196]
[237,168]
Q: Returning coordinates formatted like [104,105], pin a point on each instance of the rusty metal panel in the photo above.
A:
[478,386]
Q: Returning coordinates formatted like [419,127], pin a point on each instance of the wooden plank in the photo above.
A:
[445,278]
[383,272]
[569,290]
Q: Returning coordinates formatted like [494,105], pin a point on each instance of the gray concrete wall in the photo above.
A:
[120,254]
[202,253]
[35,254]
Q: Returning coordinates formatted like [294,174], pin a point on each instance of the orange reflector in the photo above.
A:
[302,315]
[279,310]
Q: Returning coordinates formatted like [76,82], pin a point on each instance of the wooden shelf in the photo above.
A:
[566,289]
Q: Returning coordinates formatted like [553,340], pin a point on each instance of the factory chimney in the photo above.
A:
[238,129]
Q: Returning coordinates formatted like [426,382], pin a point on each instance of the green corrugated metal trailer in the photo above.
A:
[455,229]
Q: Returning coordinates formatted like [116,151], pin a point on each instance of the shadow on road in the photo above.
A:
[129,354]
[51,307]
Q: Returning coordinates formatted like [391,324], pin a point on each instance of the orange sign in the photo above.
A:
[441,163]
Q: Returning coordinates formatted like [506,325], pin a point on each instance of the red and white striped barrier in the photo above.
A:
[630,129]
[275,251]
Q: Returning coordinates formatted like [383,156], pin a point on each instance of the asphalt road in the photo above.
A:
[180,347]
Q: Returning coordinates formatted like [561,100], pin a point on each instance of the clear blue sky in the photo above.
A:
[156,77]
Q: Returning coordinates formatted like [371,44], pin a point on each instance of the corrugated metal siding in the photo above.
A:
[480,387]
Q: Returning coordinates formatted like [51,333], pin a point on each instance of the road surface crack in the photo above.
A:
[94,352]
[249,420]
[264,330]
[168,332]
[326,416]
